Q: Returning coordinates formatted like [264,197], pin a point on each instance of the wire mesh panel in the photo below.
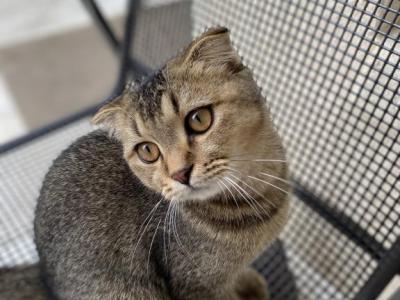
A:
[21,172]
[330,73]
[161,32]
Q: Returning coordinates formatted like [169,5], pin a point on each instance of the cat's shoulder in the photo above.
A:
[97,141]
[95,154]
[96,145]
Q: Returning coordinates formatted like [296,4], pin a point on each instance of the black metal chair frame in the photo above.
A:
[388,260]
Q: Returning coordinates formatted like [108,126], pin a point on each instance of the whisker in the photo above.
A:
[152,212]
[141,233]
[174,228]
[176,233]
[222,189]
[241,188]
[247,154]
[266,182]
[277,178]
[258,193]
[254,201]
[261,160]
[234,184]
[170,223]
[151,245]
[229,190]
[165,230]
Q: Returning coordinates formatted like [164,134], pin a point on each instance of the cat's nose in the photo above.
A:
[183,175]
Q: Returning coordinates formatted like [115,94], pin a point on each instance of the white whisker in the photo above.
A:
[266,182]
[277,178]
[222,189]
[165,230]
[241,188]
[229,190]
[258,193]
[176,233]
[151,245]
[171,228]
[174,228]
[261,160]
[251,155]
[254,201]
[148,222]
[234,184]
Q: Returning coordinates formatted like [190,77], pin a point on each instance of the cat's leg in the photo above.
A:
[250,285]
[139,294]
[148,294]
[115,289]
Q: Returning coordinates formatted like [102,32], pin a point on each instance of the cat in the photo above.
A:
[181,188]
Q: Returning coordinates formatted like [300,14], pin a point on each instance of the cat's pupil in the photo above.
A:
[148,152]
[197,117]
[199,121]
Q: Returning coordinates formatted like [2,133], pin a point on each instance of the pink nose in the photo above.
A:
[183,176]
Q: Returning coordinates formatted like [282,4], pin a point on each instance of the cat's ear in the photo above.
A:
[213,49]
[106,115]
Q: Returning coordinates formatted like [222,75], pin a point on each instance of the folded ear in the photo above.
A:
[106,115]
[213,49]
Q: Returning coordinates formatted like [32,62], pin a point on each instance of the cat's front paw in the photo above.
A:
[250,285]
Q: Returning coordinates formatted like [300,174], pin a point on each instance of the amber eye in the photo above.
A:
[198,121]
[148,152]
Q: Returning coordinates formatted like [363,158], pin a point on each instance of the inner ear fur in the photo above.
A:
[213,48]
[106,115]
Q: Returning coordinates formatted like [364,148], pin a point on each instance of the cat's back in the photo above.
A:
[95,154]
[89,180]
[89,207]
[91,167]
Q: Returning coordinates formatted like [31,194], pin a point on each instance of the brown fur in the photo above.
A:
[205,74]
[93,204]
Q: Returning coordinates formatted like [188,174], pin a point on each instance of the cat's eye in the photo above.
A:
[199,120]
[148,152]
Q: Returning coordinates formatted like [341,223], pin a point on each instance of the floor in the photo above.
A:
[49,54]
[53,61]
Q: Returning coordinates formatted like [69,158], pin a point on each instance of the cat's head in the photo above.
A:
[196,125]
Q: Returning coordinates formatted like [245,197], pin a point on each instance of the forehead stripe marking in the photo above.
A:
[135,128]
[174,102]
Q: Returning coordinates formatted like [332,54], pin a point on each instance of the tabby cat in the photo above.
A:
[178,193]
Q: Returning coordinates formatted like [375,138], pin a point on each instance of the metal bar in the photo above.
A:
[102,24]
[387,268]
[129,29]
[29,137]
[345,224]
[105,28]
[128,64]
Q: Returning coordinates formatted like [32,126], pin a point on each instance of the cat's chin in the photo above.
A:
[198,193]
